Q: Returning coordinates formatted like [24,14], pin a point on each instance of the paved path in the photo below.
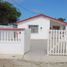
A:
[38,50]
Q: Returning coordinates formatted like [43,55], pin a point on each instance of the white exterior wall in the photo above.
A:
[66,27]
[41,22]
[15,47]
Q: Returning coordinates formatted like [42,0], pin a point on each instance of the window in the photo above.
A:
[34,28]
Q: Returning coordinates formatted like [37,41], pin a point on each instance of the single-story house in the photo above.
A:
[40,25]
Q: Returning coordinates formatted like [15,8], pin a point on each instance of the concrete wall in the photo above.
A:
[66,27]
[26,41]
[17,46]
[12,47]
[43,23]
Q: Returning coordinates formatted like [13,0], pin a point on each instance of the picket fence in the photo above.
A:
[57,42]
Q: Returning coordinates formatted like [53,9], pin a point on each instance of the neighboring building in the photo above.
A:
[6,26]
[40,25]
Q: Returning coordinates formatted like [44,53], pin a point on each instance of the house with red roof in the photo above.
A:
[40,25]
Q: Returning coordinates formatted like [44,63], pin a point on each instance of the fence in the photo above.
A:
[10,34]
[12,41]
[57,42]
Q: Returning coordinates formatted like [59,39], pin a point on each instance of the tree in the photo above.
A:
[62,19]
[8,13]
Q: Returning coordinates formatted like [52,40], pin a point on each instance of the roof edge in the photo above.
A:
[42,15]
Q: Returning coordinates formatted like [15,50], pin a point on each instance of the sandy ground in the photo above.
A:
[22,63]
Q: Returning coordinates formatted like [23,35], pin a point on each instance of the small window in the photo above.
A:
[34,28]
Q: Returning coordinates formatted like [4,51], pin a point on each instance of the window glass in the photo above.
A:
[34,28]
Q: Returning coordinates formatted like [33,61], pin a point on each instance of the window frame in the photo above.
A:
[32,27]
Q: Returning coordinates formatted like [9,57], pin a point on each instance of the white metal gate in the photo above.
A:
[57,42]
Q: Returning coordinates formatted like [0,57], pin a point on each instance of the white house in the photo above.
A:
[40,25]
[51,30]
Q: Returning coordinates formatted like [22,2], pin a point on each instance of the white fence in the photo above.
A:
[57,42]
[13,41]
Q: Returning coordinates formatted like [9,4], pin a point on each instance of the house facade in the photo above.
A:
[40,26]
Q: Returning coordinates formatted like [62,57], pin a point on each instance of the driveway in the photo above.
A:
[38,50]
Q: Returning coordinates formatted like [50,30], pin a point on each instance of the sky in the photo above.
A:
[29,8]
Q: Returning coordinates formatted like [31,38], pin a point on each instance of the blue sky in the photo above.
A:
[29,8]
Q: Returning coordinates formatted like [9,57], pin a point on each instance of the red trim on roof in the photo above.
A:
[12,29]
[42,15]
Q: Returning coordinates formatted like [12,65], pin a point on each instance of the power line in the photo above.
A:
[22,7]
[26,9]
